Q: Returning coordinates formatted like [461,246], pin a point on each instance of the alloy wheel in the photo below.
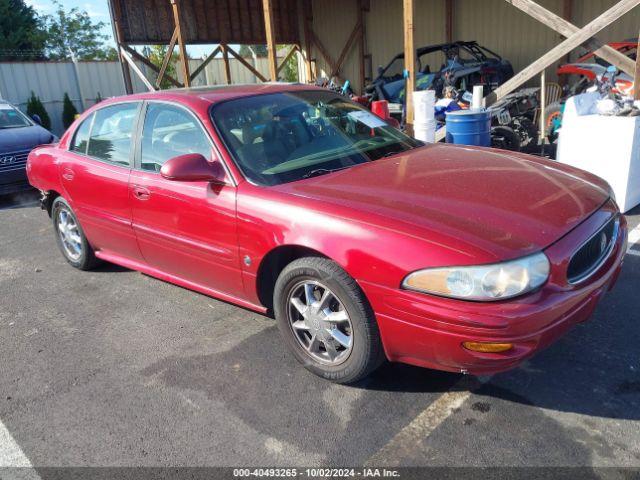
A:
[319,322]
[69,234]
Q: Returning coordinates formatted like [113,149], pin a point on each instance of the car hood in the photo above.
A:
[22,138]
[504,204]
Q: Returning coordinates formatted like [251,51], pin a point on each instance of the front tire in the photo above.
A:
[326,321]
[70,238]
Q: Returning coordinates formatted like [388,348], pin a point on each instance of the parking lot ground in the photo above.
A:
[114,368]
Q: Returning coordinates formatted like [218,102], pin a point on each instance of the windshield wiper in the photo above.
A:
[317,172]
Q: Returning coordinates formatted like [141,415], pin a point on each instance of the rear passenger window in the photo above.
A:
[111,133]
[168,132]
[81,138]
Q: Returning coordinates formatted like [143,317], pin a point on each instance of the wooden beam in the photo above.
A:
[362,44]
[267,8]
[136,69]
[175,4]
[287,57]
[167,57]
[567,29]
[225,57]
[204,64]
[323,51]
[308,19]
[636,77]
[117,18]
[347,48]
[148,63]
[448,6]
[573,41]
[247,65]
[408,9]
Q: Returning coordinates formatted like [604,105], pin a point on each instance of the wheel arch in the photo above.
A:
[272,265]
[47,200]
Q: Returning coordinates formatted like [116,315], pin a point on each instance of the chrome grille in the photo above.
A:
[592,254]
[13,161]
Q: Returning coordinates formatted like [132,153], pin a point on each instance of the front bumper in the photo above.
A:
[14,181]
[428,331]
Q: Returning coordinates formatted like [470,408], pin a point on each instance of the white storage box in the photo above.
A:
[606,146]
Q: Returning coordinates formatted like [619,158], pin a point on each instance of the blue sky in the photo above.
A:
[98,10]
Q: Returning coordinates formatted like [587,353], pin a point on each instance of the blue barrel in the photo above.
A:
[469,127]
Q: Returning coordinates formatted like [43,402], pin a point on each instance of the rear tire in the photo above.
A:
[70,237]
[337,340]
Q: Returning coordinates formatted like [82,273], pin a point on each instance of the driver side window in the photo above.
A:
[168,132]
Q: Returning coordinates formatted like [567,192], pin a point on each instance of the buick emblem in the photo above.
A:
[603,242]
[8,160]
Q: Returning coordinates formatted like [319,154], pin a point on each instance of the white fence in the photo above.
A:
[50,81]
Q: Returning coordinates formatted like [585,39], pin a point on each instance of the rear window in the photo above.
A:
[111,133]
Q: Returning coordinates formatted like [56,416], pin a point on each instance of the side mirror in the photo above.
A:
[36,118]
[380,70]
[193,167]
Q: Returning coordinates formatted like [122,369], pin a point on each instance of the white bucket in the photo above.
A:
[477,103]
[425,131]
[423,105]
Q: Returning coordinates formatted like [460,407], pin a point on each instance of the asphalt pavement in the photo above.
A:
[115,368]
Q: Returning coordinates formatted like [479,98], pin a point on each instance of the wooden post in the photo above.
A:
[543,105]
[126,73]
[181,45]
[567,29]
[408,9]
[567,14]
[361,44]
[573,41]
[308,18]
[271,43]
[636,78]
[225,56]
[449,20]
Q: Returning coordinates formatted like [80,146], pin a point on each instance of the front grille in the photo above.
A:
[13,161]
[593,252]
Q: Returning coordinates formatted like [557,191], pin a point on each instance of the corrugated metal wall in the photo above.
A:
[494,23]
[50,81]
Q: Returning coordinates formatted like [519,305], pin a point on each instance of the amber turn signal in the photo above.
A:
[487,347]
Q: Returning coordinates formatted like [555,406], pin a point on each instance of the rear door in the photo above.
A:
[184,229]
[95,174]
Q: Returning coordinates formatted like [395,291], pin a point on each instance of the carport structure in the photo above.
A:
[325,32]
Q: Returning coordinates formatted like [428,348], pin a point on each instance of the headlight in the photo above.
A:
[483,282]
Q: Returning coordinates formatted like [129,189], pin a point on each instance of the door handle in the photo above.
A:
[68,174]
[141,193]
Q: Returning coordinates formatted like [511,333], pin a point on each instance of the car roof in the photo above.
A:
[215,94]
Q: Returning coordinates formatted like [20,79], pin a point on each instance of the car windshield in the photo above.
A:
[10,117]
[283,137]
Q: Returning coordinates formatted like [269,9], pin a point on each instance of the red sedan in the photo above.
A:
[363,242]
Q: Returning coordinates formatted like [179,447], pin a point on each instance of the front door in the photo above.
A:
[95,174]
[184,229]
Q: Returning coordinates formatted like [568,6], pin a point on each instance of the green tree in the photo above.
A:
[73,30]
[69,111]
[35,107]
[259,50]
[156,54]
[20,35]
[289,72]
